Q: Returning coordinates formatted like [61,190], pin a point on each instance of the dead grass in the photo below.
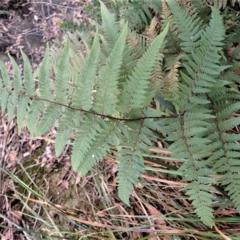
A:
[43,198]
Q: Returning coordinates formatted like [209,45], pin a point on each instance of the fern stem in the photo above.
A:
[100,114]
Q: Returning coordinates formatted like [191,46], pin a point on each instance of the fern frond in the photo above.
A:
[152,31]
[100,148]
[191,144]
[44,73]
[135,90]
[226,160]
[165,84]
[107,86]
[90,128]
[92,143]
[5,85]
[22,110]
[12,102]
[189,26]
[9,99]
[17,82]
[139,13]
[130,168]
[203,63]
[110,27]
[136,46]
[4,99]
[5,79]
[67,123]
[189,132]
[61,85]
[50,115]
[33,116]
[29,84]
[171,44]
[82,94]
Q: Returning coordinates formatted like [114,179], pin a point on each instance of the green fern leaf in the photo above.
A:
[12,100]
[135,90]
[67,123]
[4,99]
[35,111]
[188,25]
[201,200]
[17,81]
[130,167]
[5,77]
[203,64]
[50,115]
[44,78]
[107,87]
[111,29]
[131,163]
[82,96]
[84,139]
[61,85]
[100,148]
[139,13]
[29,84]
[22,112]
[5,87]
[226,152]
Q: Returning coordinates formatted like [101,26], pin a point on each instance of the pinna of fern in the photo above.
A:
[100,107]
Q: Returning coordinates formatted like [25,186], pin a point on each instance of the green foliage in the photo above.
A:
[138,13]
[103,86]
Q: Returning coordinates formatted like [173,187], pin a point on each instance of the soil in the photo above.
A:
[29,24]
